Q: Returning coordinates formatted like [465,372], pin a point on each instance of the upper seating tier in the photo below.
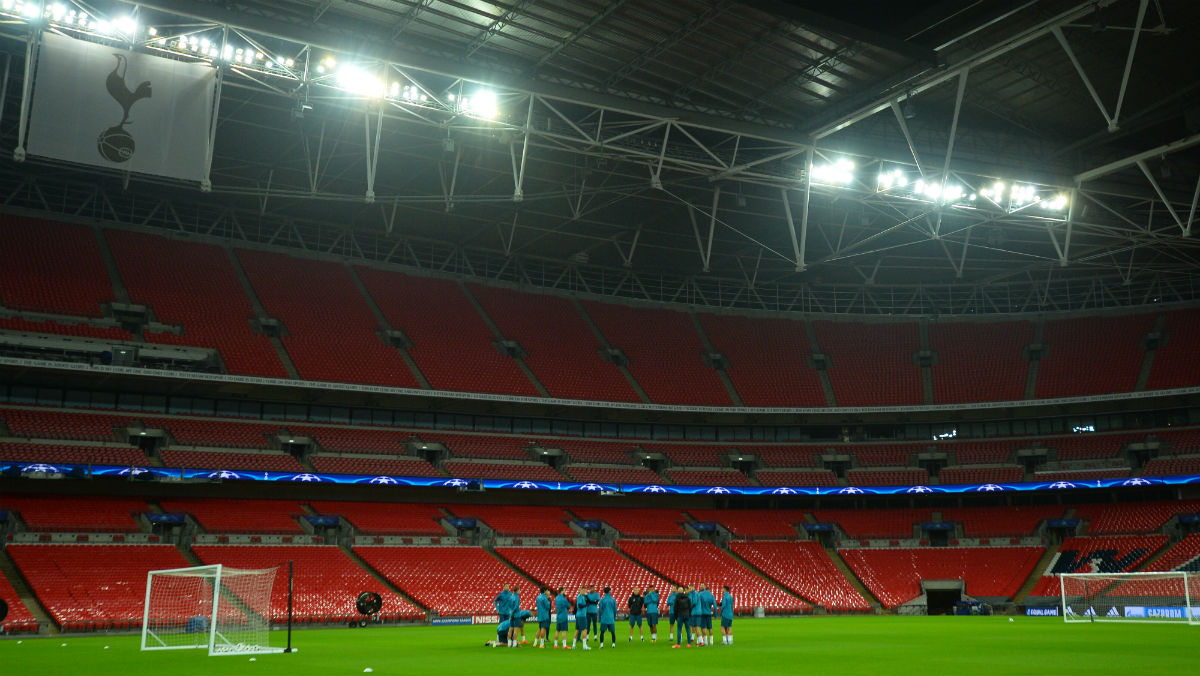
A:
[767,359]
[51,267]
[871,363]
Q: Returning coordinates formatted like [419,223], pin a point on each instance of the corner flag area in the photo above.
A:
[923,646]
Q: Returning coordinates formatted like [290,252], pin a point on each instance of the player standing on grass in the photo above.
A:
[593,609]
[671,611]
[651,602]
[543,617]
[727,617]
[562,609]
[517,626]
[694,620]
[502,611]
[683,613]
[581,618]
[636,605]
[707,604]
[607,609]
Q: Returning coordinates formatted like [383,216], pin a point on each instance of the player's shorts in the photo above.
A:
[501,636]
[707,621]
[563,624]
[652,619]
[671,618]
[635,619]
[581,622]
[609,627]
[725,624]
[544,625]
[517,624]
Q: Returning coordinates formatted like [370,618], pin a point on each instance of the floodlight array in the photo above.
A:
[838,172]
[1002,195]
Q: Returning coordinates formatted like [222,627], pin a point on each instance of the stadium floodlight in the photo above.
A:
[125,25]
[1057,203]
[358,81]
[839,172]
[1023,194]
[481,104]
[892,179]
[31,10]
[1158,598]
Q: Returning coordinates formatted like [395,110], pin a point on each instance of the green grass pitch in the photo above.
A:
[922,646]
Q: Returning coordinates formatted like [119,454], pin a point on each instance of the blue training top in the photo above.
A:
[652,603]
[581,607]
[671,602]
[707,601]
[562,606]
[501,603]
[608,609]
[727,606]
[543,608]
[592,600]
[694,597]
[514,602]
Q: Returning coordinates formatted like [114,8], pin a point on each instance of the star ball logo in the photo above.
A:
[989,488]
[654,489]
[919,489]
[591,487]
[783,491]
[1061,484]
[1136,482]
[382,480]
[223,474]
[718,490]
[851,490]
[455,483]
[525,484]
[306,477]
[45,469]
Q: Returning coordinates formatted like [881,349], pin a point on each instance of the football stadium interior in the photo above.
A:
[861,308]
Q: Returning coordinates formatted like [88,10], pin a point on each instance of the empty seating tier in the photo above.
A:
[805,569]
[194,286]
[50,424]
[1092,355]
[894,575]
[529,471]
[87,587]
[374,466]
[330,331]
[871,364]
[451,343]
[693,455]
[874,523]
[19,619]
[1172,466]
[788,456]
[981,475]
[584,450]
[447,580]
[325,582]
[77,330]
[1132,517]
[562,351]
[1016,520]
[51,267]
[752,524]
[215,460]
[386,518]
[961,375]
[616,475]
[219,433]
[73,454]
[785,477]
[633,522]
[1104,554]
[239,516]
[519,520]
[1177,361]
[353,440]
[767,359]
[1182,555]
[572,567]
[887,477]
[696,562]
[709,477]
[70,514]
[479,446]
[665,353]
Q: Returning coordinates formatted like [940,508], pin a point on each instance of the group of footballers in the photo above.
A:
[689,608]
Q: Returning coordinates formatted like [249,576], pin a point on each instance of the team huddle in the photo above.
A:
[688,608]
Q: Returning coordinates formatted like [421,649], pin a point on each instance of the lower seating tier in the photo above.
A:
[573,567]
[894,575]
[805,569]
[447,580]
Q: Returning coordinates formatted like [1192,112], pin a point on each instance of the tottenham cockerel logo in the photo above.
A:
[116,143]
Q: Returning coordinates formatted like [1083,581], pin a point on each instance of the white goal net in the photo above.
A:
[226,610]
[1129,597]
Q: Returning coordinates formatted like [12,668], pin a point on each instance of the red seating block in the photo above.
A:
[887,477]
[1019,520]
[78,330]
[665,353]
[73,454]
[806,570]
[93,586]
[874,523]
[872,364]
[894,575]
[325,582]
[70,513]
[614,475]
[1177,363]
[239,516]
[519,519]
[981,475]
[502,470]
[696,562]
[195,286]
[263,462]
[1091,355]
[51,267]
[573,567]
[1171,466]
[331,332]
[711,477]
[822,477]
[979,361]
[1133,517]
[1104,554]
[374,466]
[386,518]
[751,524]
[767,359]
[19,620]
[632,522]
[447,580]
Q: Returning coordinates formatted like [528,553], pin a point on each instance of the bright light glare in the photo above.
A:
[892,179]
[482,104]
[125,25]
[30,10]
[357,81]
[840,172]
[1058,203]
[1023,194]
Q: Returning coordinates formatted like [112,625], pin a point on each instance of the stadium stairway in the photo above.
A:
[255,303]
[822,374]
[26,595]
[533,379]
[1039,570]
[587,319]
[1039,330]
[861,588]
[724,547]
[381,578]
[526,577]
[721,374]
[1148,356]
[387,326]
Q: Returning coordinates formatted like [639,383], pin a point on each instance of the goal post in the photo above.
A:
[1152,597]
[224,610]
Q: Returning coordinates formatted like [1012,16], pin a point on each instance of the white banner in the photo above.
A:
[111,107]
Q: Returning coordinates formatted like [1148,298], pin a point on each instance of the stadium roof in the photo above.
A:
[758,154]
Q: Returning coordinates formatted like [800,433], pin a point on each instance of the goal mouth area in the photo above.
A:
[1150,597]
